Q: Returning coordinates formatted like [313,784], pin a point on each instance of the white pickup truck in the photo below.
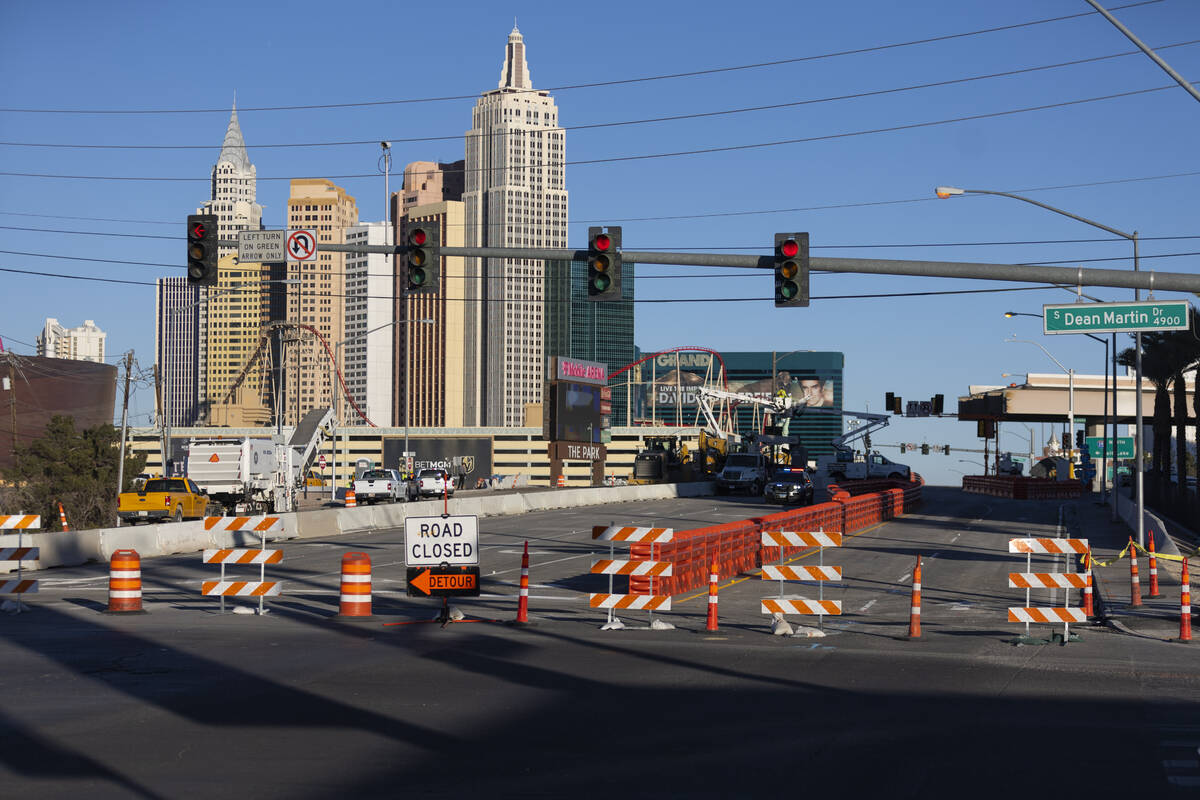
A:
[434,483]
[383,486]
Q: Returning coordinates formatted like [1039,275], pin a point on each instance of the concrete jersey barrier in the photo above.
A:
[58,548]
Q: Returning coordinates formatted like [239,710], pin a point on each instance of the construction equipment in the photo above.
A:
[664,459]
[246,474]
[846,463]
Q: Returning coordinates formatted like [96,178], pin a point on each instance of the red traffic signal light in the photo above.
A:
[791,269]
[604,264]
[202,249]
[422,257]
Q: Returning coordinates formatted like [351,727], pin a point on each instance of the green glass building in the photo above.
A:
[576,327]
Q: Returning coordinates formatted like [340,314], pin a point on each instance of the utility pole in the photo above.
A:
[12,403]
[124,428]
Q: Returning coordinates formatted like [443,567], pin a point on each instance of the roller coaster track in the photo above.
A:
[267,330]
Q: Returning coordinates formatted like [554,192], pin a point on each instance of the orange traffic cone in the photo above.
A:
[1135,584]
[1087,589]
[1185,606]
[523,599]
[914,619]
[712,598]
[1153,569]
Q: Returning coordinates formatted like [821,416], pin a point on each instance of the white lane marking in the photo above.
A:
[863,610]
[545,563]
[955,539]
[935,555]
[904,577]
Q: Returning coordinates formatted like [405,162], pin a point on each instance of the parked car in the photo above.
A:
[383,486]
[790,485]
[435,482]
[164,500]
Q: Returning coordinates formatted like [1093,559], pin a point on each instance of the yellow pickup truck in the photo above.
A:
[163,500]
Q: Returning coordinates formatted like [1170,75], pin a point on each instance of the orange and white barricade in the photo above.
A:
[1053,581]
[261,588]
[355,599]
[261,524]
[613,566]
[125,583]
[821,574]
[20,523]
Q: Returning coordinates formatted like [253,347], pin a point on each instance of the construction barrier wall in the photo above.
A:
[1017,488]
[736,547]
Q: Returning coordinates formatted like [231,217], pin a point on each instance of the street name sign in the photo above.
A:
[261,246]
[1098,446]
[443,581]
[1146,315]
[440,541]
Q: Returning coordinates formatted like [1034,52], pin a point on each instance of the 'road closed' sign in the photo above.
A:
[431,541]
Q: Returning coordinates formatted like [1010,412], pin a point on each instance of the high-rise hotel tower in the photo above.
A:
[515,197]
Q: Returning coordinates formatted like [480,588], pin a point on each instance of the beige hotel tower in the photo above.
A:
[515,196]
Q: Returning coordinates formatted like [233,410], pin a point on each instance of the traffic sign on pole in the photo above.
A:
[1099,447]
[301,245]
[434,541]
[1145,315]
[262,246]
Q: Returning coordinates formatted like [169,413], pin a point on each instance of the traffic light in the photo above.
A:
[1078,440]
[202,249]
[791,269]
[889,400]
[604,263]
[924,449]
[903,448]
[897,405]
[946,450]
[422,258]
[938,403]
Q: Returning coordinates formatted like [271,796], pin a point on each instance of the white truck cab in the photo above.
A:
[744,472]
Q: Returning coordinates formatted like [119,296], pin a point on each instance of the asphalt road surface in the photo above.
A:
[187,702]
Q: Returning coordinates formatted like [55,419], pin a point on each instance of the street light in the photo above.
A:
[950,191]
[1070,383]
[337,350]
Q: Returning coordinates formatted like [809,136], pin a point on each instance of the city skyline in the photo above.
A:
[858,192]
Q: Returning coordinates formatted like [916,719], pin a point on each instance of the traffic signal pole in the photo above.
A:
[1024,273]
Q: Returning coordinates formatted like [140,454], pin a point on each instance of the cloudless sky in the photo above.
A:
[1129,162]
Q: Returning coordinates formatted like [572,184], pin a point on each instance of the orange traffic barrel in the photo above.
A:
[350,499]
[125,582]
[356,585]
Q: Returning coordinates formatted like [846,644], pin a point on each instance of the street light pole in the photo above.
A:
[951,191]
[1070,385]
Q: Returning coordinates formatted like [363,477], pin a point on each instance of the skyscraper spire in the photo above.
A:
[515,72]
[233,149]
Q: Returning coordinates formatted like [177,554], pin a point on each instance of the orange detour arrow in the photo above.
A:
[421,582]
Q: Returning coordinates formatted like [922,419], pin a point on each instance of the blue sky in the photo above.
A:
[867,195]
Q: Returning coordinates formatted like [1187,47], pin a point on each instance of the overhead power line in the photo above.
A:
[617,124]
[706,215]
[649,156]
[593,84]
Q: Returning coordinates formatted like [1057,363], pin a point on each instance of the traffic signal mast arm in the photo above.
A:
[1058,276]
